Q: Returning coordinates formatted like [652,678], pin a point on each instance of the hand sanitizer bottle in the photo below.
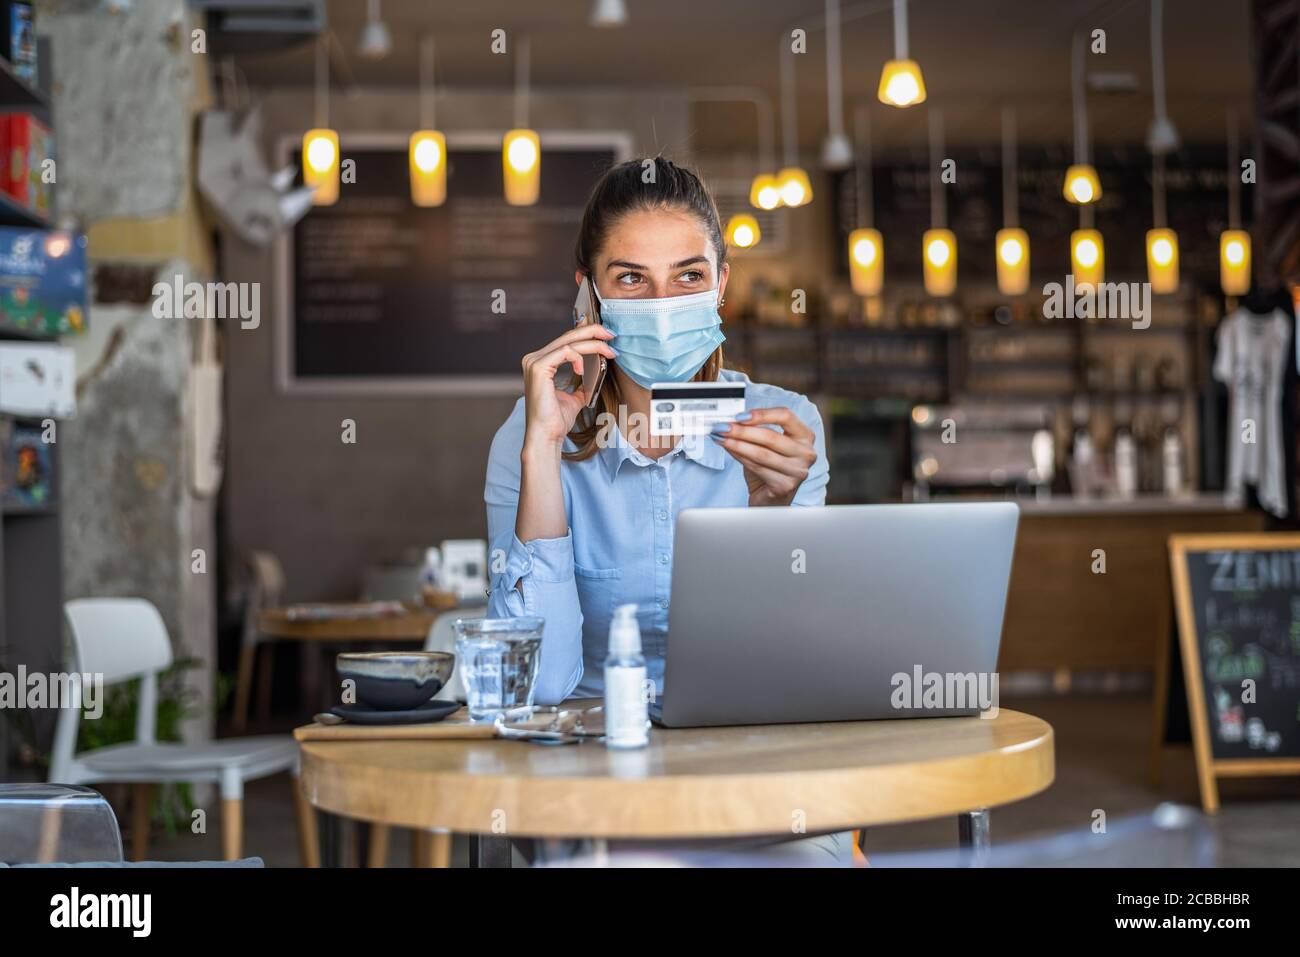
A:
[626,709]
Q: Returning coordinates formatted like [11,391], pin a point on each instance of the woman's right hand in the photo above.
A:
[550,412]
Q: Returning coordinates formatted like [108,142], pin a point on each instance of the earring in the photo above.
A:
[722,302]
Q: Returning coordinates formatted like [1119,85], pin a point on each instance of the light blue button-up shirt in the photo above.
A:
[622,508]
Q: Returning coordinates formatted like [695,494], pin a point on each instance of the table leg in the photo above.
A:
[489,850]
[331,845]
[973,835]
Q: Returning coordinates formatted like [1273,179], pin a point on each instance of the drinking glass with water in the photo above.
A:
[498,660]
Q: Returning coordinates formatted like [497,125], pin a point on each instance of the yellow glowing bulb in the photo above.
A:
[521,154]
[428,168]
[1087,253]
[864,252]
[901,84]
[1013,261]
[427,156]
[320,154]
[940,265]
[796,189]
[1082,186]
[1162,260]
[743,231]
[764,193]
[1234,262]
[866,262]
[320,165]
[1087,256]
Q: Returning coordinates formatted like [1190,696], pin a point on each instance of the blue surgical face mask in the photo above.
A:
[663,340]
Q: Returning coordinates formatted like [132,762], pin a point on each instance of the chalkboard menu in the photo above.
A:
[1237,599]
[384,293]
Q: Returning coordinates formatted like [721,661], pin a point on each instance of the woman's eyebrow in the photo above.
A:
[691,262]
[623,264]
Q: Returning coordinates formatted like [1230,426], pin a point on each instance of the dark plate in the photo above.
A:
[425,714]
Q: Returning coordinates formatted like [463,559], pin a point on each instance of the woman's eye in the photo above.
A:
[630,278]
[693,276]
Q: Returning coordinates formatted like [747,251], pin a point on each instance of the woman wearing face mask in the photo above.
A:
[581,516]
[584,516]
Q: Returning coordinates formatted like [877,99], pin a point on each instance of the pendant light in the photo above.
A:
[376,42]
[1162,137]
[938,244]
[428,147]
[901,83]
[792,181]
[837,153]
[866,250]
[1162,242]
[1082,185]
[521,149]
[1234,242]
[1011,242]
[742,231]
[1087,257]
[320,146]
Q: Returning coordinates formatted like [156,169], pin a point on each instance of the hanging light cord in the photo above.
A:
[322,83]
[900,29]
[1080,104]
[1234,174]
[1010,185]
[428,102]
[1158,59]
[938,200]
[521,84]
[862,133]
[834,84]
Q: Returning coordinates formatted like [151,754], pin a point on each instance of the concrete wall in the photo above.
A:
[126,89]
[415,474]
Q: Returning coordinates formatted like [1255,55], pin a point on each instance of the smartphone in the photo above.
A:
[593,367]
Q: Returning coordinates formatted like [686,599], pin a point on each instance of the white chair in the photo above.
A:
[125,638]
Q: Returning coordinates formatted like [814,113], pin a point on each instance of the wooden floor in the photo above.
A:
[1101,763]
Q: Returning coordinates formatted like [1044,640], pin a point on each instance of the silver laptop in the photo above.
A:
[812,614]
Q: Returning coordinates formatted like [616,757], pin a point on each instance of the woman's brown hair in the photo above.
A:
[643,184]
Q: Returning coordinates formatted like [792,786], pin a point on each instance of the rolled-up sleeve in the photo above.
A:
[531,578]
[813,489]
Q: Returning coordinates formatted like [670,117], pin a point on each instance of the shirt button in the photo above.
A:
[663,602]
[663,515]
[663,559]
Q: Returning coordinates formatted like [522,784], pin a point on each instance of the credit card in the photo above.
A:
[692,408]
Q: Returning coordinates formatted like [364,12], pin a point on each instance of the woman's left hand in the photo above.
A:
[776,463]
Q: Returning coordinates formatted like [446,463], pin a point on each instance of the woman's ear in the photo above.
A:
[577,276]
[723,274]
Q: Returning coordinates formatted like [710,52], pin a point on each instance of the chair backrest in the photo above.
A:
[119,638]
[442,637]
[266,590]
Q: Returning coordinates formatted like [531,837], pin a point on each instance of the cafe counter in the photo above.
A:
[1090,587]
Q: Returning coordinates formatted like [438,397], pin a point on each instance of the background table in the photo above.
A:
[691,783]
[276,624]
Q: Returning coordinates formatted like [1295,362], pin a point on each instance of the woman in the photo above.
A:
[581,514]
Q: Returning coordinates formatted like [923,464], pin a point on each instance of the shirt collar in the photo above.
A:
[697,448]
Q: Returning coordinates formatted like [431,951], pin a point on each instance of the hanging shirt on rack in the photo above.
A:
[1252,353]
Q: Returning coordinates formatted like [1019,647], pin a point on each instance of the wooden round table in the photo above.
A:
[691,783]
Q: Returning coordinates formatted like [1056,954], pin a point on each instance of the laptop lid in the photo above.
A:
[810,614]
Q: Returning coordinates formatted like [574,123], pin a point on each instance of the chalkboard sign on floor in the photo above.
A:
[384,296]
[1237,599]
